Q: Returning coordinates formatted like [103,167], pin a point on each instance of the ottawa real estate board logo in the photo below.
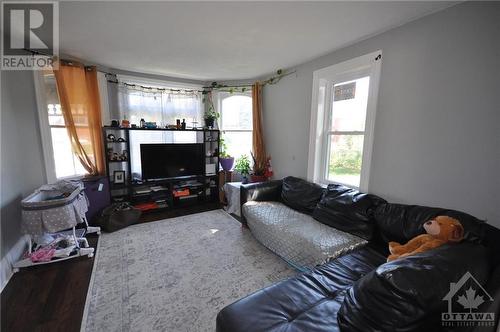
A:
[466,301]
[30,35]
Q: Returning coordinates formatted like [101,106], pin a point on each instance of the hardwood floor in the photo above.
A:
[47,297]
[52,297]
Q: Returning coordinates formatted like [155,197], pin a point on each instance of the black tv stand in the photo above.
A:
[185,192]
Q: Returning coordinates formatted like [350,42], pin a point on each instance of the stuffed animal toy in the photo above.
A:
[440,230]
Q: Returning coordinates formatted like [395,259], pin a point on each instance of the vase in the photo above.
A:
[226,163]
[244,180]
[258,178]
[209,123]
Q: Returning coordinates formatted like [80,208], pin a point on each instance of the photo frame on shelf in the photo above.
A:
[119,177]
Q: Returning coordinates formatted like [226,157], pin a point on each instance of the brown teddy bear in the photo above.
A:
[440,230]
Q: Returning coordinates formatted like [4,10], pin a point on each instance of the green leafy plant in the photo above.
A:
[223,149]
[243,165]
[210,112]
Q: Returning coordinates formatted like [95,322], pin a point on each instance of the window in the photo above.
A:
[161,106]
[236,122]
[343,111]
[59,158]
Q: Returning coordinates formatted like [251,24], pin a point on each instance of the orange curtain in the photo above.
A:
[80,104]
[259,150]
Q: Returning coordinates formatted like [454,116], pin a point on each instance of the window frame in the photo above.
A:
[45,131]
[321,115]
[220,97]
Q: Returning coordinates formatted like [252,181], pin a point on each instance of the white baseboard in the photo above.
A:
[8,260]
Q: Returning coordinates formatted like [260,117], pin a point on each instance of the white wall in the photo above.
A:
[22,166]
[437,131]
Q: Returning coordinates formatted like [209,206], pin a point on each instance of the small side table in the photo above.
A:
[232,191]
[224,177]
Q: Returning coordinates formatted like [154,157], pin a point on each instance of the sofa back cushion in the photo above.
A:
[404,294]
[300,194]
[399,222]
[348,210]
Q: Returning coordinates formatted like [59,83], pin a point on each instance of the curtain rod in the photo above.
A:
[69,62]
[206,89]
[156,88]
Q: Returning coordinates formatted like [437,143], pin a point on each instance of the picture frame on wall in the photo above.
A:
[119,177]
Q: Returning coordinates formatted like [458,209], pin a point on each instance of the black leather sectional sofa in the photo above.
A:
[359,291]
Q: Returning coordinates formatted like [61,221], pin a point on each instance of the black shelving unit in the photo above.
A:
[203,188]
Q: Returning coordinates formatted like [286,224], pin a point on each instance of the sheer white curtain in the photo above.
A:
[162,107]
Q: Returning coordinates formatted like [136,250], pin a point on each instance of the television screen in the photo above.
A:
[160,161]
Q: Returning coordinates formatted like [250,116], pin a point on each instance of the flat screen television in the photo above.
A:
[162,161]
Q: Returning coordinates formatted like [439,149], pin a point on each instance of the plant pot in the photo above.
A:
[226,163]
[209,123]
[244,180]
[258,178]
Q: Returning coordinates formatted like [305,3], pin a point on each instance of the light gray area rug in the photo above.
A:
[176,274]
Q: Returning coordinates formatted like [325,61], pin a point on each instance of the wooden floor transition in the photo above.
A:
[52,297]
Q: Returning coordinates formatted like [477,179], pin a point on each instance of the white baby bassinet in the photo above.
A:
[54,208]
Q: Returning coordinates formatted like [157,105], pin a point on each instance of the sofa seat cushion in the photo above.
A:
[307,302]
[409,294]
[297,237]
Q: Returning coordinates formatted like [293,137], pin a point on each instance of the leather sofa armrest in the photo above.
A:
[261,191]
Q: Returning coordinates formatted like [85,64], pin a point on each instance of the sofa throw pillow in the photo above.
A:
[348,210]
[300,194]
[406,294]
[400,222]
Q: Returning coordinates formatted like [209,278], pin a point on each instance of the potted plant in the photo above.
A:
[243,167]
[259,171]
[226,161]
[210,113]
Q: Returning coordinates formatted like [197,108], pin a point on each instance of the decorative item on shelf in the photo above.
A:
[115,156]
[171,126]
[183,124]
[150,125]
[210,169]
[133,125]
[110,153]
[177,123]
[194,123]
[243,167]
[259,170]
[269,168]
[119,177]
[142,123]
[181,192]
[124,155]
[125,123]
[111,138]
[226,161]
[115,123]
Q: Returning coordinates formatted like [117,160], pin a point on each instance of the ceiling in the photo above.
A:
[222,40]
